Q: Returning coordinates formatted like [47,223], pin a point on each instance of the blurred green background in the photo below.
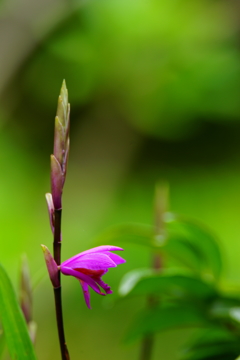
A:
[154,87]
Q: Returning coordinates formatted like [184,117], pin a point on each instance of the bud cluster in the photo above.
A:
[59,158]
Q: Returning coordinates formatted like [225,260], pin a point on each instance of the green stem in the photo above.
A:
[152,301]
[57,291]
[147,347]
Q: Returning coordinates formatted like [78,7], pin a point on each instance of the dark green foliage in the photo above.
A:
[215,343]
[185,290]
[188,243]
[200,239]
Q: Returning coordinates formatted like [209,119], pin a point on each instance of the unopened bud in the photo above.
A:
[56,182]
[51,266]
[59,140]
[50,210]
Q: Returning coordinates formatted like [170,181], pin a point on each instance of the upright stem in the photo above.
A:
[152,301]
[57,236]
[147,347]
[57,291]
[161,205]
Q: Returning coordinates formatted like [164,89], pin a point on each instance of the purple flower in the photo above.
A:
[89,266]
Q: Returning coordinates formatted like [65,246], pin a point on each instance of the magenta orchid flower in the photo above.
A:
[89,266]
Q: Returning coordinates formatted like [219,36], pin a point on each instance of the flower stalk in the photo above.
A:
[89,266]
[58,290]
[58,161]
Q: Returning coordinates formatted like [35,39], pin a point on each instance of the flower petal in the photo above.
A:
[80,276]
[101,248]
[86,293]
[95,261]
[105,286]
[116,258]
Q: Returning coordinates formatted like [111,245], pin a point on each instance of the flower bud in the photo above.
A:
[56,183]
[51,266]
[50,210]
[59,140]
[59,159]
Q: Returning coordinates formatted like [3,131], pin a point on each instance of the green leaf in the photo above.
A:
[214,343]
[160,319]
[17,338]
[149,282]
[191,244]
[184,253]
[216,351]
[226,309]
[201,239]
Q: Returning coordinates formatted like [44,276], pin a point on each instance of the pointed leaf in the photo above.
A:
[165,283]
[183,253]
[201,238]
[17,338]
[213,343]
[188,243]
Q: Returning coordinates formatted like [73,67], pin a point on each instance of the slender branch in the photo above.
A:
[57,291]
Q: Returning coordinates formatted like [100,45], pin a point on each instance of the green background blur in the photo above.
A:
[154,87]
